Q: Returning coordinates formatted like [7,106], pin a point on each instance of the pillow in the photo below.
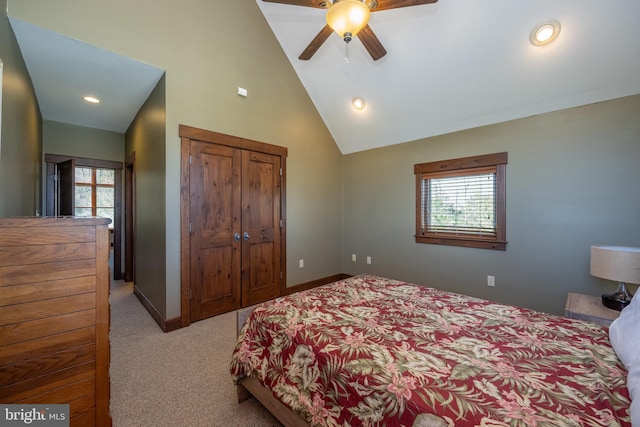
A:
[624,333]
[633,384]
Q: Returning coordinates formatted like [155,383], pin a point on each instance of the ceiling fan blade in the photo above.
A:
[315,44]
[394,4]
[319,4]
[371,43]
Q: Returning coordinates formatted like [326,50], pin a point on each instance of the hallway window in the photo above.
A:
[94,192]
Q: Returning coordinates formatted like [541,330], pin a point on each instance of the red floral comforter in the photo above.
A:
[377,352]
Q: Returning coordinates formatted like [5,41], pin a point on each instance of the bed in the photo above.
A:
[371,351]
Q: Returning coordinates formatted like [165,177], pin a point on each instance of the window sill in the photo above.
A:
[464,242]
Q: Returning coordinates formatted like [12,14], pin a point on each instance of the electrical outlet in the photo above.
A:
[353,257]
[491,281]
[368,260]
[301,263]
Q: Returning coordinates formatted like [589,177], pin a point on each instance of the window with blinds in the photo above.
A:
[461,202]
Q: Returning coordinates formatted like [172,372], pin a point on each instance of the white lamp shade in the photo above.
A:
[618,263]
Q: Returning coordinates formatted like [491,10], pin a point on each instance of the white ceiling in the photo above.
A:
[452,65]
[459,64]
[63,70]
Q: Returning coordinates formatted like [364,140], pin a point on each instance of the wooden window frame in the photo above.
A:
[94,190]
[465,166]
[52,159]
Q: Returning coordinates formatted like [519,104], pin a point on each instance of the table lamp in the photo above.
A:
[618,263]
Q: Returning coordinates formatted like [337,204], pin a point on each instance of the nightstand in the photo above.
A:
[589,308]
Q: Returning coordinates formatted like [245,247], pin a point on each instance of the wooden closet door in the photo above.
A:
[232,209]
[215,188]
[261,181]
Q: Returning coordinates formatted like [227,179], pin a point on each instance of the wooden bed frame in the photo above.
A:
[250,386]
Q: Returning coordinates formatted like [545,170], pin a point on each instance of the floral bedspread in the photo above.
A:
[378,352]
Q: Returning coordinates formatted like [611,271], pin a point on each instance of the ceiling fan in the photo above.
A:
[350,18]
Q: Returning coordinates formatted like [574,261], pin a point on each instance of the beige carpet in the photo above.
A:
[174,379]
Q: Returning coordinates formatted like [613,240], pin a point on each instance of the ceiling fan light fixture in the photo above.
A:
[545,33]
[348,17]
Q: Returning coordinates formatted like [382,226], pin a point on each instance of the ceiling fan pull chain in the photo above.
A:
[346,53]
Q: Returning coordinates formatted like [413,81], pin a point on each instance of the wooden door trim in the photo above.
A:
[50,159]
[185,220]
[129,217]
[186,134]
[283,218]
[230,141]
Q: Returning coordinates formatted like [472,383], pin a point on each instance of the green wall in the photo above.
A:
[570,179]
[208,48]
[21,132]
[572,182]
[80,141]
[146,145]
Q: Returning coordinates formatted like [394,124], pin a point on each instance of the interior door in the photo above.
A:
[215,196]
[235,237]
[66,188]
[261,227]
[232,222]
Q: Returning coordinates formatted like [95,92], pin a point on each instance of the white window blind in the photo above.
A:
[460,203]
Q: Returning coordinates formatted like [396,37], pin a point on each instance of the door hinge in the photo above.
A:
[190,159]
[189,227]
[280,171]
[281,275]
[189,294]
[281,223]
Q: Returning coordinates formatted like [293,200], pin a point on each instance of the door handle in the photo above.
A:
[236,237]
[245,236]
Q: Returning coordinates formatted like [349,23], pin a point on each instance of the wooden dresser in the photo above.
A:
[54,315]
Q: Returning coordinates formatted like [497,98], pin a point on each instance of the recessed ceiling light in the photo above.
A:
[545,33]
[358,103]
[91,99]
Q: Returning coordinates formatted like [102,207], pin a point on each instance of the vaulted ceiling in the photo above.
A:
[458,64]
[451,65]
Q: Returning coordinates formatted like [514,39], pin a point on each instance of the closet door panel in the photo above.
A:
[217,274]
[261,223]
[215,219]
